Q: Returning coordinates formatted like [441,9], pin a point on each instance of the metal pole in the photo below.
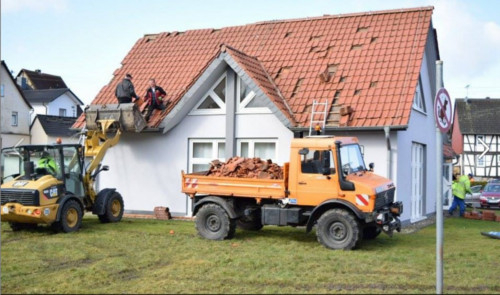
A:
[439,191]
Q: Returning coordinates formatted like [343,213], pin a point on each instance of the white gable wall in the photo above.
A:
[12,101]
[65,101]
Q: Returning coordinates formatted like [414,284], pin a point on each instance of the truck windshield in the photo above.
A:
[45,161]
[351,159]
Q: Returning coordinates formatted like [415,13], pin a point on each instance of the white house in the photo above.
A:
[54,102]
[248,90]
[15,111]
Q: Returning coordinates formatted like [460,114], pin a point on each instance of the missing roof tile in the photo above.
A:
[356,46]
[343,78]
[288,34]
[332,69]
[373,84]
[314,49]
[283,71]
[362,29]
[357,91]
[317,37]
[150,37]
[297,86]
[337,94]
[374,39]
[214,31]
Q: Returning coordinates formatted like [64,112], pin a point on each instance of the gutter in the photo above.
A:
[374,128]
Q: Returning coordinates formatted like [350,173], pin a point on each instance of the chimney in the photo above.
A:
[38,71]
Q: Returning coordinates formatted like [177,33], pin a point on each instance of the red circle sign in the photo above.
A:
[442,110]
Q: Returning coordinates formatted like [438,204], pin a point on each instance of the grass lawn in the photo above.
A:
[143,256]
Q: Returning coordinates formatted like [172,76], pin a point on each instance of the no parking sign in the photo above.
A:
[442,110]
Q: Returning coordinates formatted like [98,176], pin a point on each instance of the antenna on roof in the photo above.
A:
[467,95]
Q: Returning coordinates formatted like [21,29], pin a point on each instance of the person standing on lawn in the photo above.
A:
[459,188]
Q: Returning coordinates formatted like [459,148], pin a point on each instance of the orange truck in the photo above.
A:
[326,184]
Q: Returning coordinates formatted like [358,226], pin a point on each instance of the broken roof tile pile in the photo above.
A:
[246,168]
[366,65]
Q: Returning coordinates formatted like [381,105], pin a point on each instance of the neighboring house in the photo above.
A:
[248,90]
[54,102]
[47,129]
[476,136]
[15,111]
[33,80]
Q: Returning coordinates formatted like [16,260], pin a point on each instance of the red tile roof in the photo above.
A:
[367,61]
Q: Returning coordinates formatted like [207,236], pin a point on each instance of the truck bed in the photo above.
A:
[196,183]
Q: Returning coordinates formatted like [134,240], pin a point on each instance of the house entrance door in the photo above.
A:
[417,182]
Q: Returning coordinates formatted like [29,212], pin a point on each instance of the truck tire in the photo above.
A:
[252,222]
[17,226]
[338,229]
[71,217]
[213,223]
[370,232]
[113,210]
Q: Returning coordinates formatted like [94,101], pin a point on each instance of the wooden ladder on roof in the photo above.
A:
[318,115]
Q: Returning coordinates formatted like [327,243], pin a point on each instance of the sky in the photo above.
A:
[84,41]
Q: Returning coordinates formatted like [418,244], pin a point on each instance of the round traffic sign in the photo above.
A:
[442,110]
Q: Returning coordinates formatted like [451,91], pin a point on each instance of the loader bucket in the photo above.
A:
[126,114]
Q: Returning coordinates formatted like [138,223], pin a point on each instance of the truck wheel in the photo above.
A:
[338,229]
[71,217]
[213,223]
[17,226]
[252,222]
[114,209]
[370,232]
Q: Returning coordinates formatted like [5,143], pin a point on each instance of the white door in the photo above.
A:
[417,182]
[447,180]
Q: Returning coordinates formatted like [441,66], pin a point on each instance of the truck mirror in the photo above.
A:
[371,166]
[105,168]
[325,161]
[304,151]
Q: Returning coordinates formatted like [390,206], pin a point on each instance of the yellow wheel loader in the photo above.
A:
[54,184]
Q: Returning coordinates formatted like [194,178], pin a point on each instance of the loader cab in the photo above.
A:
[33,162]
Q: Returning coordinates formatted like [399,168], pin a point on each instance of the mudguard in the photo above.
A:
[99,207]
[219,201]
[63,200]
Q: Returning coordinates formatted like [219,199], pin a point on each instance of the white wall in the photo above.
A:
[146,168]
[38,135]
[13,102]
[64,101]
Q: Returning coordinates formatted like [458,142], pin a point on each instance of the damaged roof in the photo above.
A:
[366,65]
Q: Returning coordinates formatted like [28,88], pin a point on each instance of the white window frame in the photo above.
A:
[251,146]
[478,143]
[418,100]
[480,161]
[62,112]
[215,152]
[215,97]
[14,119]
[242,105]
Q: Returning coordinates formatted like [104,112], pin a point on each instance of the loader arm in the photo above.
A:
[97,143]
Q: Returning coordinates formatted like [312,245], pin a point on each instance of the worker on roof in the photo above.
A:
[125,90]
[154,98]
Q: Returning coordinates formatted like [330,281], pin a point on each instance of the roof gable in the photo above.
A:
[41,80]
[369,62]
[478,116]
[15,84]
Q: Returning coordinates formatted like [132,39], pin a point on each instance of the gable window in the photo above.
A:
[14,119]
[62,112]
[479,140]
[418,99]
[257,148]
[2,90]
[247,101]
[214,101]
[204,151]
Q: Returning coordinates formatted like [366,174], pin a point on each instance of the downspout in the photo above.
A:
[387,130]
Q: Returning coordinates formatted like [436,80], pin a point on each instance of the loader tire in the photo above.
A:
[213,223]
[17,226]
[338,229]
[113,211]
[370,232]
[71,217]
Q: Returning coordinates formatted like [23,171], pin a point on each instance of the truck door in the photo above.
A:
[312,186]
